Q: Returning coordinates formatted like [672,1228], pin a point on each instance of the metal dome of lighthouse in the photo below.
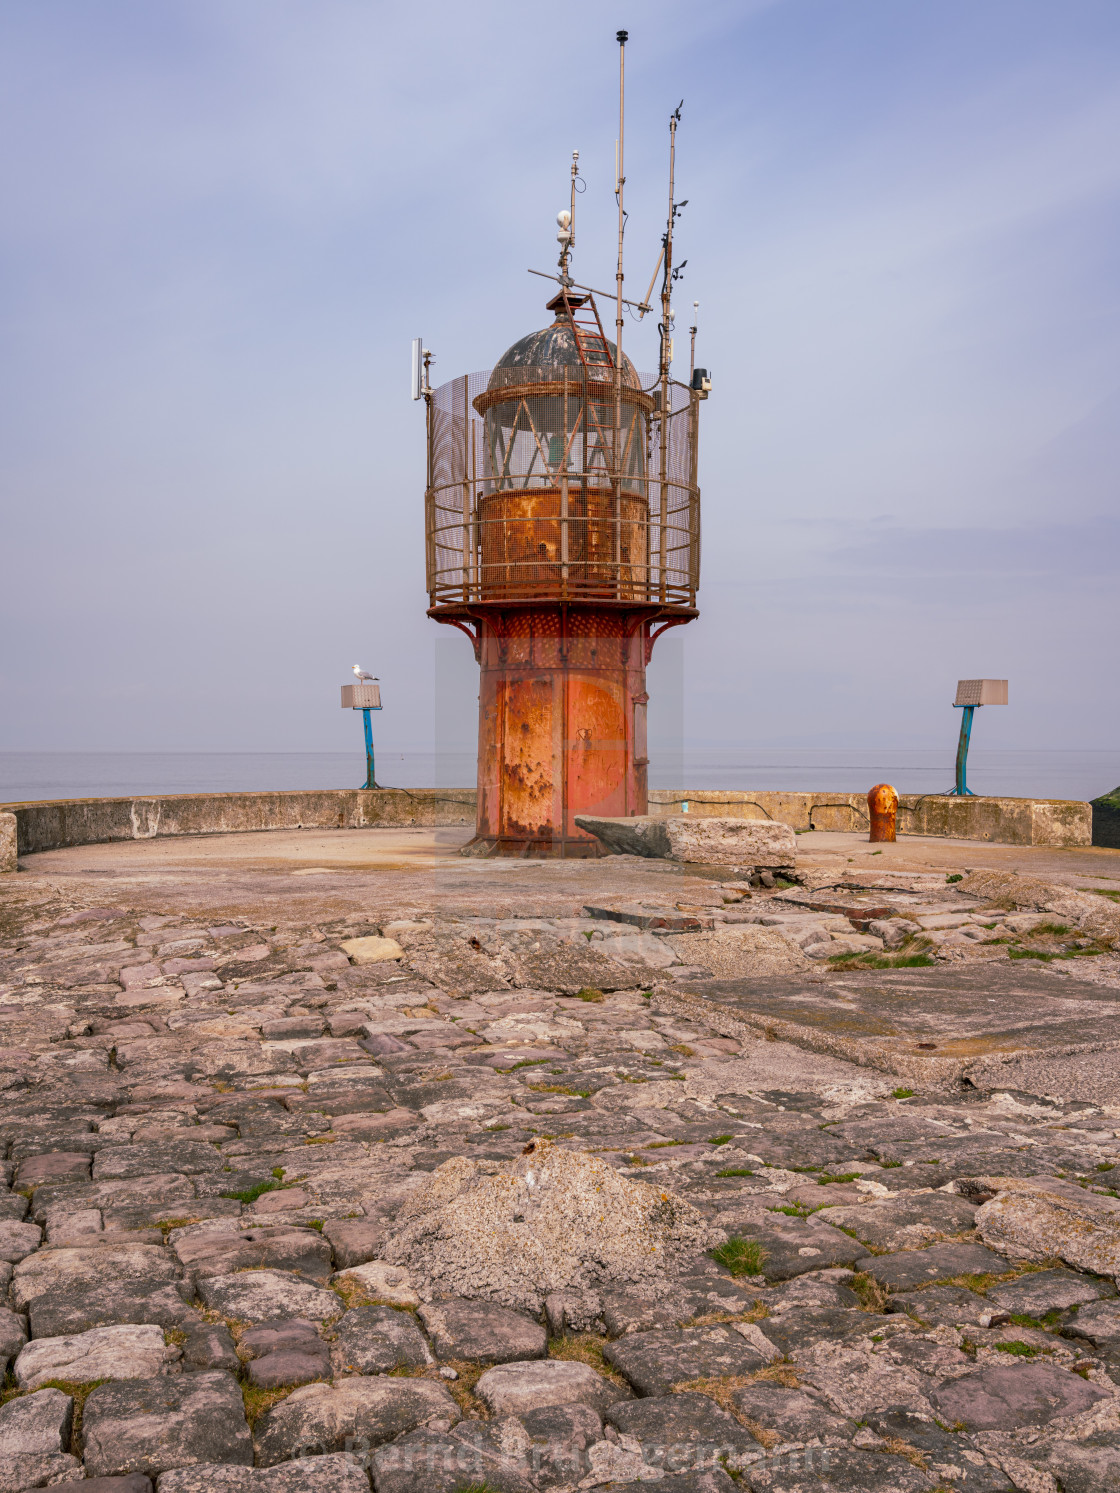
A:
[554,348]
[563,536]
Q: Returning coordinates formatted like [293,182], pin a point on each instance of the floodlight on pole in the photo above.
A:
[971,694]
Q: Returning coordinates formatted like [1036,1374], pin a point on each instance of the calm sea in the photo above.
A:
[1058,774]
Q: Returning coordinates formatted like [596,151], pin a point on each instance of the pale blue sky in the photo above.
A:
[223,223]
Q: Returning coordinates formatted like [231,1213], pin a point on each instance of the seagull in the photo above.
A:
[360,674]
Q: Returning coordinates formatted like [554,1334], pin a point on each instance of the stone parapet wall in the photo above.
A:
[56,823]
[1003,821]
[53,824]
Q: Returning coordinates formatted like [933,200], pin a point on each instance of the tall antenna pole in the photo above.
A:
[620,182]
[567,235]
[664,359]
[667,280]
[692,329]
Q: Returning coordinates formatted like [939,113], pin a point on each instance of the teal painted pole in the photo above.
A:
[962,790]
[371,772]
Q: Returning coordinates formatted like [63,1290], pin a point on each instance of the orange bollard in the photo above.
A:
[882,803]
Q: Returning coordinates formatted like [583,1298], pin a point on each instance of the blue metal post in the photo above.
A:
[962,790]
[371,775]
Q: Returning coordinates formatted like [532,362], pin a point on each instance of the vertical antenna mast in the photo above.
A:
[667,281]
[566,221]
[663,361]
[620,181]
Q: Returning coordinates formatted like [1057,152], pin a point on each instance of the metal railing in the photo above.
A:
[539,489]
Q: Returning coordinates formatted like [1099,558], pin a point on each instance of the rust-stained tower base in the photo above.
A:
[561,723]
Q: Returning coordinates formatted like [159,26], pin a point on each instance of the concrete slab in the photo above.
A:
[930,853]
[933,1026]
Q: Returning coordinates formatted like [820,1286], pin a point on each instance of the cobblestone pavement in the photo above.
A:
[425,1201]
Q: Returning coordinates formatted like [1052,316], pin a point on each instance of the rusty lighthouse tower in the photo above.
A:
[563,537]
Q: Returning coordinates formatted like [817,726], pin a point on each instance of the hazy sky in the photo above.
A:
[224,220]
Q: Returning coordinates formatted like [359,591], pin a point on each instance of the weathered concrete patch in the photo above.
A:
[926,1025]
[742,950]
[513,1232]
[543,961]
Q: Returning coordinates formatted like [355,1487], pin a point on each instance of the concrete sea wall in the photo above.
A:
[1003,821]
[29,827]
[52,824]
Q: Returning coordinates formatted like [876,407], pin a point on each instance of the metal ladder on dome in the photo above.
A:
[596,358]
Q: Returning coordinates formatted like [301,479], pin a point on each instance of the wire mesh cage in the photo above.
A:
[548,484]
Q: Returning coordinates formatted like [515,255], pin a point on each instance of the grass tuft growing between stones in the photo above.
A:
[782,1372]
[79,1393]
[740,1256]
[902,1093]
[765,1438]
[868,959]
[872,1296]
[258,1189]
[462,1388]
[1046,1323]
[586,1347]
[719,1389]
[590,994]
[1018,1349]
[176,1223]
[257,1401]
[895,1446]
[735,1171]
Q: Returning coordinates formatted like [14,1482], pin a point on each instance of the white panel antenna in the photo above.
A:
[417,367]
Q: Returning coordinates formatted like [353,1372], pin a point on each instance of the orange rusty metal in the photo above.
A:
[561,726]
[882,804]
